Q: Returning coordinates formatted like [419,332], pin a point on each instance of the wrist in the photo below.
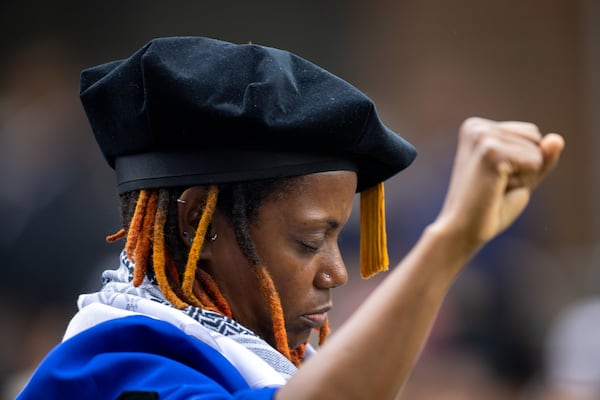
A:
[456,247]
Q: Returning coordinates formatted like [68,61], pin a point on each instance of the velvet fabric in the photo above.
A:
[194,110]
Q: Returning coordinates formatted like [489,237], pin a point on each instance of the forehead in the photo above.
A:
[315,201]
[317,187]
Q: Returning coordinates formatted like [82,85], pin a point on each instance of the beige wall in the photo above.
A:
[432,63]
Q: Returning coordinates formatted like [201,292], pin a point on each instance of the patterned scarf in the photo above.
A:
[117,285]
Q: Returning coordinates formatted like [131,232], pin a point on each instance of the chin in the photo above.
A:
[297,340]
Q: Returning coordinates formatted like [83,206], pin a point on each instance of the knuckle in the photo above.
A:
[488,148]
[474,129]
[471,122]
[522,128]
[530,126]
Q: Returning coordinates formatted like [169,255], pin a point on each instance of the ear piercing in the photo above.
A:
[185,235]
[191,239]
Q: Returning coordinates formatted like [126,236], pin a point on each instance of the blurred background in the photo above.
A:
[522,320]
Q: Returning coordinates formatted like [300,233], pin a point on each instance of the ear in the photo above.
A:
[190,206]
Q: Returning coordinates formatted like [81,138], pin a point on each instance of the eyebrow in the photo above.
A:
[329,222]
[317,218]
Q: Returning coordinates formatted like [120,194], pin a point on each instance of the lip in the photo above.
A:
[317,318]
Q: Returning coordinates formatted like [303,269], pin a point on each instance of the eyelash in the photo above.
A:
[308,247]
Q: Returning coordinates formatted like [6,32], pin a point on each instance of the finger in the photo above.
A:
[552,146]
[515,202]
[525,130]
[475,130]
[522,155]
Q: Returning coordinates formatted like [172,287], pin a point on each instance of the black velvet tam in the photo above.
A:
[191,110]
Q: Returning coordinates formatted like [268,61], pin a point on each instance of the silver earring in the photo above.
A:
[181,201]
[213,237]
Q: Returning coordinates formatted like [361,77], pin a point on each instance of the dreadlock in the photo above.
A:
[152,241]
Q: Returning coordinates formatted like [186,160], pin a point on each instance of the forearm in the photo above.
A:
[372,354]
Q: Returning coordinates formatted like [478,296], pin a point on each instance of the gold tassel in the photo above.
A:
[373,237]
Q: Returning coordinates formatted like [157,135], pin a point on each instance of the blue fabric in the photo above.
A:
[137,353]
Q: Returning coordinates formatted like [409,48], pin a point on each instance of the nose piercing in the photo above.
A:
[327,276]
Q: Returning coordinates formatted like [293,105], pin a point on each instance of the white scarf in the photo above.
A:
[259,363]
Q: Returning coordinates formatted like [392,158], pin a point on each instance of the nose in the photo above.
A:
[333,272]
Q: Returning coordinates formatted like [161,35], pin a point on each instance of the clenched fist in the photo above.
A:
[497,166]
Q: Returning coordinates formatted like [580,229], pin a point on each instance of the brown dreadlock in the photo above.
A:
[150,226]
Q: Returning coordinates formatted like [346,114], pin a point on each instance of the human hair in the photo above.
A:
[150,225]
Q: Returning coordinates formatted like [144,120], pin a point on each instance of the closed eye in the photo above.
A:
[308,247]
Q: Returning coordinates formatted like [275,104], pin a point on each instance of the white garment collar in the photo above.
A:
[255,371]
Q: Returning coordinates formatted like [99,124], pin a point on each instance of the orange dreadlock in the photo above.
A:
[189,276]
[268,289]
[146,239]
[136,222]
[120,234]
[143,244]
[159,258]
[210,294]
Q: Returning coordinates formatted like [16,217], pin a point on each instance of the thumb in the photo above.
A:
[552,146]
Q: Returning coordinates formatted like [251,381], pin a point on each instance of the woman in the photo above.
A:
[237,167]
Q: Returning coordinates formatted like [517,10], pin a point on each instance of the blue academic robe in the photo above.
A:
[137,357]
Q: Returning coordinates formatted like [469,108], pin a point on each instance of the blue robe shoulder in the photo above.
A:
[137,357]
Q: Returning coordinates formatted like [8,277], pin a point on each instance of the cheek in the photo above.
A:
[293,280]
[292,272]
